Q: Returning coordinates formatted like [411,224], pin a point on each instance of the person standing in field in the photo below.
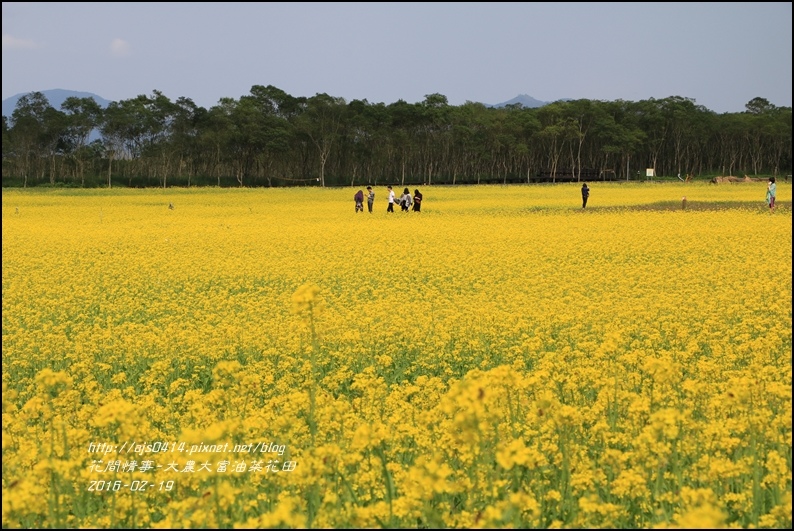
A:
[390,208]
[370,198]
[771,192]
[585,194]
[417,201]
[405,200]
[359,198]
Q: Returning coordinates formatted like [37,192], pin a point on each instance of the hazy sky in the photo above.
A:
[722,55]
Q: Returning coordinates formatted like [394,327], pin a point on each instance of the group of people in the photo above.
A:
[406,200]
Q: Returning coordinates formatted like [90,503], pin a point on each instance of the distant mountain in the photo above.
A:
[55,96]
[525,100]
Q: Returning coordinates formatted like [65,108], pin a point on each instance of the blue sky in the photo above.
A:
[722,55]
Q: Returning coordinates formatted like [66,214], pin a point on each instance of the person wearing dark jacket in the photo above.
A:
[417,201]
[585,194]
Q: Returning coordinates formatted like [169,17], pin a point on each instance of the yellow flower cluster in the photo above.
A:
[503,359]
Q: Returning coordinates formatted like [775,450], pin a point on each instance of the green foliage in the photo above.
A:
[269,138]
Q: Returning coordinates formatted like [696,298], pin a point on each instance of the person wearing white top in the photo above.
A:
[391,200]
[405,200]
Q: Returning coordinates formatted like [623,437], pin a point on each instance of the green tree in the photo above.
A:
[275,130]
[83,116]
[115,126]
[759,106]
[321,123]
[29,133]
[185,131]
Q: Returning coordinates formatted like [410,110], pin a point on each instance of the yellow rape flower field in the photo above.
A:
[269,357]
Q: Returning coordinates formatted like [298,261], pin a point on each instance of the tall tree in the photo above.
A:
[29,131]
[115,126]
[321,123]
[83,116]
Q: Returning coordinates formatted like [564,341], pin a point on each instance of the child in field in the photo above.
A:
[370,198]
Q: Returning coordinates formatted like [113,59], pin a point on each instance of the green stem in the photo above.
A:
[313,384]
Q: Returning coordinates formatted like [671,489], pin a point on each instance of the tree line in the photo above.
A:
[269,138]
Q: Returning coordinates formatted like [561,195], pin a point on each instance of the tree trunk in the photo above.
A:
[110,166]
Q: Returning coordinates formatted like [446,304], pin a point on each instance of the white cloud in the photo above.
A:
[120,48]
[12,43]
